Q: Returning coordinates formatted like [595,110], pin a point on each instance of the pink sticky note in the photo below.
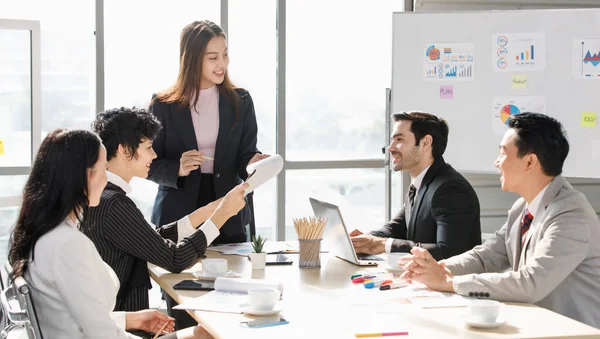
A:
[446,92]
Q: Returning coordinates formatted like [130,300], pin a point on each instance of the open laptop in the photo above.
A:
[337,238]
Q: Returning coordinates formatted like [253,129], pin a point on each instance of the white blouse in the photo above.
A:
[73,290]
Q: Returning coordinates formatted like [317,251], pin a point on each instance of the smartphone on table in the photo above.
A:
[195,285]
[264,322]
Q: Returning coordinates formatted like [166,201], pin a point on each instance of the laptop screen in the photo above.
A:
[336,236]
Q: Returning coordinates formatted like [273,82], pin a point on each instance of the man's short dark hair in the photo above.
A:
[425,123]
[127,127]
[543,136]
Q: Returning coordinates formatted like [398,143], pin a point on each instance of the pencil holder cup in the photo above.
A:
[310,253]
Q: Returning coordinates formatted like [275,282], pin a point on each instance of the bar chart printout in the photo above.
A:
[519,52]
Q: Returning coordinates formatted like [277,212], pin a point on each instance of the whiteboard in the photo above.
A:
[543,69]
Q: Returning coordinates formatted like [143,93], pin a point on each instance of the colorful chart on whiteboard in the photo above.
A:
[586,59]
[504,107]
[518,52]
[449,61]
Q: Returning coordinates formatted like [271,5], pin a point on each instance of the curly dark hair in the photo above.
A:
[127,127]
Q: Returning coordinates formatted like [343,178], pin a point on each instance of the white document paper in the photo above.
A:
[216,301]
[263,171]
[245,248]
[239,285]
[230,295]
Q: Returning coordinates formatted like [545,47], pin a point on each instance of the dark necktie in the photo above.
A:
[525,223]
[410,202]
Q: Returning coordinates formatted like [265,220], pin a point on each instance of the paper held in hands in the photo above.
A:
[263,171]
[230,295]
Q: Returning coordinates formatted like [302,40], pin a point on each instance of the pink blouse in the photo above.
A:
[205,117]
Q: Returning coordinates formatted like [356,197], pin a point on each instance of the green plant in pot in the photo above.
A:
[258,257]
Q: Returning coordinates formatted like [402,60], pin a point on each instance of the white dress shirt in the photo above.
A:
[184,225]
[74,291]
[417,183]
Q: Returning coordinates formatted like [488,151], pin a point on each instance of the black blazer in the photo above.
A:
[445,216]
[236,145]
[127,243]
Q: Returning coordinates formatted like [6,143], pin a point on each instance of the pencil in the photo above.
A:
[161,329]
[206,158]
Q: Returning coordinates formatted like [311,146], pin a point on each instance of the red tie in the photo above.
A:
[525,223]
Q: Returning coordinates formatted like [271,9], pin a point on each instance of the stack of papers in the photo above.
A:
[245,248]
[230,295]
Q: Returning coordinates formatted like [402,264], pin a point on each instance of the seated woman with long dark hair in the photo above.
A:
[74,291]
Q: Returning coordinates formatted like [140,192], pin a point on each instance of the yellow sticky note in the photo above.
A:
[519,81]
[1,147]
[588,119]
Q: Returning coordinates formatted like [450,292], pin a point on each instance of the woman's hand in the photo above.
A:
[190,161]
[149,321]
[258,157]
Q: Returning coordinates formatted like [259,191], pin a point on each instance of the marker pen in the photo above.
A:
[392,286]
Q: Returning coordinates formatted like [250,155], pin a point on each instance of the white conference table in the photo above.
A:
[323,303]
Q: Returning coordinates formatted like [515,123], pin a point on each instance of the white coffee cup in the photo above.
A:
[263,299]
[485,311]
[393,260]
[214,267]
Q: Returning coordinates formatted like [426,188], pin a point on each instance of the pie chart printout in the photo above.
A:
[507,111]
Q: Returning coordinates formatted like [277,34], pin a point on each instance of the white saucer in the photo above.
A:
[248,310]
[391,268]
[479,324]
[229,274]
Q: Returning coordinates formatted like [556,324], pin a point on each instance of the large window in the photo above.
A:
[338,66]
[68,58]
[334,90]
[15,97]
[359,193]
[336,80]
[67,87]
[252,53]
[141,43]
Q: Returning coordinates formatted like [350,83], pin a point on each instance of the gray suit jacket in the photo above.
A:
[560,269]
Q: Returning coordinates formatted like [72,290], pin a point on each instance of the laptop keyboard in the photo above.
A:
[369,257]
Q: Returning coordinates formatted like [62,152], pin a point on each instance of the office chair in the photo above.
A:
[18,306]
[251,227]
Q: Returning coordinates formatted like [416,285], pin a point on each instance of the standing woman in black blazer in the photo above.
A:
[209,133]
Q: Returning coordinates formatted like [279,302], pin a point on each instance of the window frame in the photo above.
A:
[33,26]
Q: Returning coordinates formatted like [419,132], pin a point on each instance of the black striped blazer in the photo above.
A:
[126,242]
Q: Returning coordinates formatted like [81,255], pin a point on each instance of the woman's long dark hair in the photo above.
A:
[57,187]
[192,47]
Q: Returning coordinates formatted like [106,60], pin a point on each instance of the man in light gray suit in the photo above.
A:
[548,251]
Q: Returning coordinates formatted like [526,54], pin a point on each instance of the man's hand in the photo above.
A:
[231,204]
[422,267]
[149,321]
[190,161]
[355,233]
[368,244]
